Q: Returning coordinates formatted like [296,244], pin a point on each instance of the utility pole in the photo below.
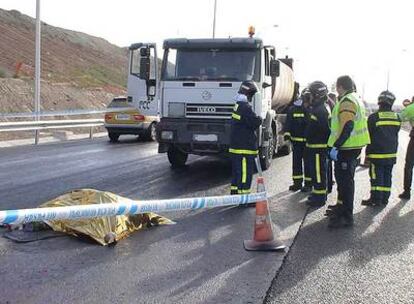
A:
[388,79]
[37,69]
[214,19]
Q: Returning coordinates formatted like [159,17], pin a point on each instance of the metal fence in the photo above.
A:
[37,125]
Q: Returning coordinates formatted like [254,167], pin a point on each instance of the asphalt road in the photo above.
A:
[199,260]
[371,263]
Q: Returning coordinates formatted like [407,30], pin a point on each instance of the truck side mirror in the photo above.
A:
[144,68]
[274,68]
[144,52]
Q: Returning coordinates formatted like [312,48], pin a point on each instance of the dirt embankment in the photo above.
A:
[79,71]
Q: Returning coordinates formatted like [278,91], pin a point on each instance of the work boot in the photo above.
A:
[406,195]
[340,221]
[368,202]
[295,187]
[306,189]
[331,209]
[371,202]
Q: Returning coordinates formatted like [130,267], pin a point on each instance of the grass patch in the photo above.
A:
[99,76]
[3,73]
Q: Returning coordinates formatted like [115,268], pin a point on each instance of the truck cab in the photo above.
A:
[199,79]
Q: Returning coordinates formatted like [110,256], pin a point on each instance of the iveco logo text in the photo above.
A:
[206,109]
[206,95]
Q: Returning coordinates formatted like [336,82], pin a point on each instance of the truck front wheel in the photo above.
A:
[266,153]
[176,157]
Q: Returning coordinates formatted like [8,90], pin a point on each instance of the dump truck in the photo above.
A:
[199,79]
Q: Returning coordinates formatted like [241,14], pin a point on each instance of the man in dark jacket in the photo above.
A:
[408,115]
[317,134]
[295,132]
[243,139]
[383,127]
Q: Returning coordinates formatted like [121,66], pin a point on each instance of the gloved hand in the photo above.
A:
[286,137]
[333,154]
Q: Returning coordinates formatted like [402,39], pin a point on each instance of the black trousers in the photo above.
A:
[409,164]
[381,181]
[344,175]
[318,165]
[242,173]
[300,164]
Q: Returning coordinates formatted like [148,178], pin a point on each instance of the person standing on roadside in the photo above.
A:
[408,115]
[349,134]
[317,134]
[295,132]
[243,139]
[383,127]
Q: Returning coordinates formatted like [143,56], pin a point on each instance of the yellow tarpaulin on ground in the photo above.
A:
[106,229]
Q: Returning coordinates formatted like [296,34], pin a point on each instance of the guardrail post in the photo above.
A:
[91,133]
[36,137]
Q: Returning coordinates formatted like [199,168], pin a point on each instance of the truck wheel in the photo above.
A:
[113,137]
[266,154]
[150,134]
[177,158]
[275,146]
[285,150]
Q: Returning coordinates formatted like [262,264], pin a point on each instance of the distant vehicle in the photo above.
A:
[142,114]
[129,121]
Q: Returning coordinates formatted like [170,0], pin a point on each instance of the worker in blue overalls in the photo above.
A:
[383,127]
[243,139]
[295,127]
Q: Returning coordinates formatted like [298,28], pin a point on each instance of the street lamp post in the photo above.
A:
[37,69]
[214,19]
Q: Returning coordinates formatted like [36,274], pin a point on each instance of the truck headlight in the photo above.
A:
[176,109]
[167,135]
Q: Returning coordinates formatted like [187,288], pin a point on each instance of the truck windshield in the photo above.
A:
[211,65]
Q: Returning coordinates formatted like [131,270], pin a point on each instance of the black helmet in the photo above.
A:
[305,92]
[386,97]
[318,90]
[248,88]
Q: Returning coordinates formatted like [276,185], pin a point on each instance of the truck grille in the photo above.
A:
[202,110]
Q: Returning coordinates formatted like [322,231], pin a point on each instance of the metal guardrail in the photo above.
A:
[48,124]
[62,113]
[38,125]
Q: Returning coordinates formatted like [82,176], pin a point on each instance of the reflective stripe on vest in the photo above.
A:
[243,152]
[316,146]
[235,116]
[296,115]
[359,136]
[388,123]
[298,139]
[387,115]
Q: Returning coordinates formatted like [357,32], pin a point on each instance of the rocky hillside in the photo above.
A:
[78,70]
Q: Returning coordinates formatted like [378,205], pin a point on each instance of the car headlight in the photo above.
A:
[176,109]
[167,135]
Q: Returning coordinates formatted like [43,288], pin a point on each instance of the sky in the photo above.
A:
[372,41]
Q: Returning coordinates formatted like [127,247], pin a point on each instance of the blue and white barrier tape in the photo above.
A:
[134,207]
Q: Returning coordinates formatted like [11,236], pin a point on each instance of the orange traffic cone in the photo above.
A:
[263,239]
